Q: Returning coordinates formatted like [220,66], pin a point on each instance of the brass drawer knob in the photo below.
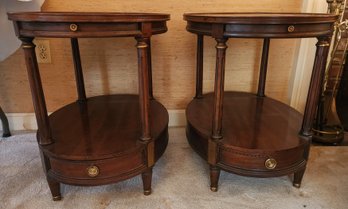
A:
[73,27]
[270,163]
[291,28]
[93,171]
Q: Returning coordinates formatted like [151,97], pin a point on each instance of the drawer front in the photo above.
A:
[86,29]
[98,169]
[277,30]
[262,31]
[261,160]
[75,29]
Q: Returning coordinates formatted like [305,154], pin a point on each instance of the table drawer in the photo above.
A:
[276,30]
[76,29]
[97,169]
[261,160]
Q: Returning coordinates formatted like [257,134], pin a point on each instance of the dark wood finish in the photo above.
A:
[38,97]
[263,68]
[57,24]
[251,134]
[315,85]
[219,88]
[54,188]
[5,126]
[149,62]
[261,25]
[103,139]
[214,178]
[80,84]
[199,67]
[143,76]
[147,177]
[298,175]
[262,124]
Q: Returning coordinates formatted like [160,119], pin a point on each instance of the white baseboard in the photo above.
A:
[21,121]
[27,121]
[177,118]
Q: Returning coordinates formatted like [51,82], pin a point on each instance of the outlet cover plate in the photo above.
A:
[43,51]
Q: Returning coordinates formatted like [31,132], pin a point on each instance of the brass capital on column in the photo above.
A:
[141,43]
[27,43]
[221,43]
[323,41]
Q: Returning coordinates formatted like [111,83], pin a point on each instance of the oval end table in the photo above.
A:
[245,133]
[102,139]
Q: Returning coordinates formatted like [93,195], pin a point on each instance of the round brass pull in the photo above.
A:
[270,163]
[73,27]
[291,28]
[93,171]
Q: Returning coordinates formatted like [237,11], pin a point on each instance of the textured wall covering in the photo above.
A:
[110,64]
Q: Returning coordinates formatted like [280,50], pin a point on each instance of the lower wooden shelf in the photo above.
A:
[98,141]
[260,135]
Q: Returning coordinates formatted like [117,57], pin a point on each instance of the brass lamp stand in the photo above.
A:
[327,127]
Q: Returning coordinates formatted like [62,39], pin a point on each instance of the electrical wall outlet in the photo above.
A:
[43,52]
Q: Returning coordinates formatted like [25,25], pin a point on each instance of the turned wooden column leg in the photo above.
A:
[199,67]
[149,63]
[217,112]
[5,126]
[147,178]
[44,133]
[144,102]
[315,85]
[314,93]
[214,178]
[219,88]
[78,70]
[263,68]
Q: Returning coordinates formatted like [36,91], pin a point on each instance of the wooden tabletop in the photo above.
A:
[261,18]
[261,25]
[87,17]
[87,24]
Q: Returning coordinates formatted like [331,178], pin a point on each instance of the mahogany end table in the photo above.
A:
[102,139]
[249,133]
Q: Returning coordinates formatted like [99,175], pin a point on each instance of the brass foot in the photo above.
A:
[147,192]
[213,189]
[296,185]
[57,198]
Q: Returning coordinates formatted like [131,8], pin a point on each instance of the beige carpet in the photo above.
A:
[180,181]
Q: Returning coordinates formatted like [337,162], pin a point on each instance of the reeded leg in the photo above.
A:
[199,68]
[298,178]
[55,189]
[214,178]
[149,63]
[315,86]
[147,178]
[37,93]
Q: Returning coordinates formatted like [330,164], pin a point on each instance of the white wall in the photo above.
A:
[8,41]
[304,62]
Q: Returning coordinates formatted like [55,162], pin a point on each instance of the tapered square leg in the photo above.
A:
[55,189]
[147,178]
[298,178]
[214,178]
